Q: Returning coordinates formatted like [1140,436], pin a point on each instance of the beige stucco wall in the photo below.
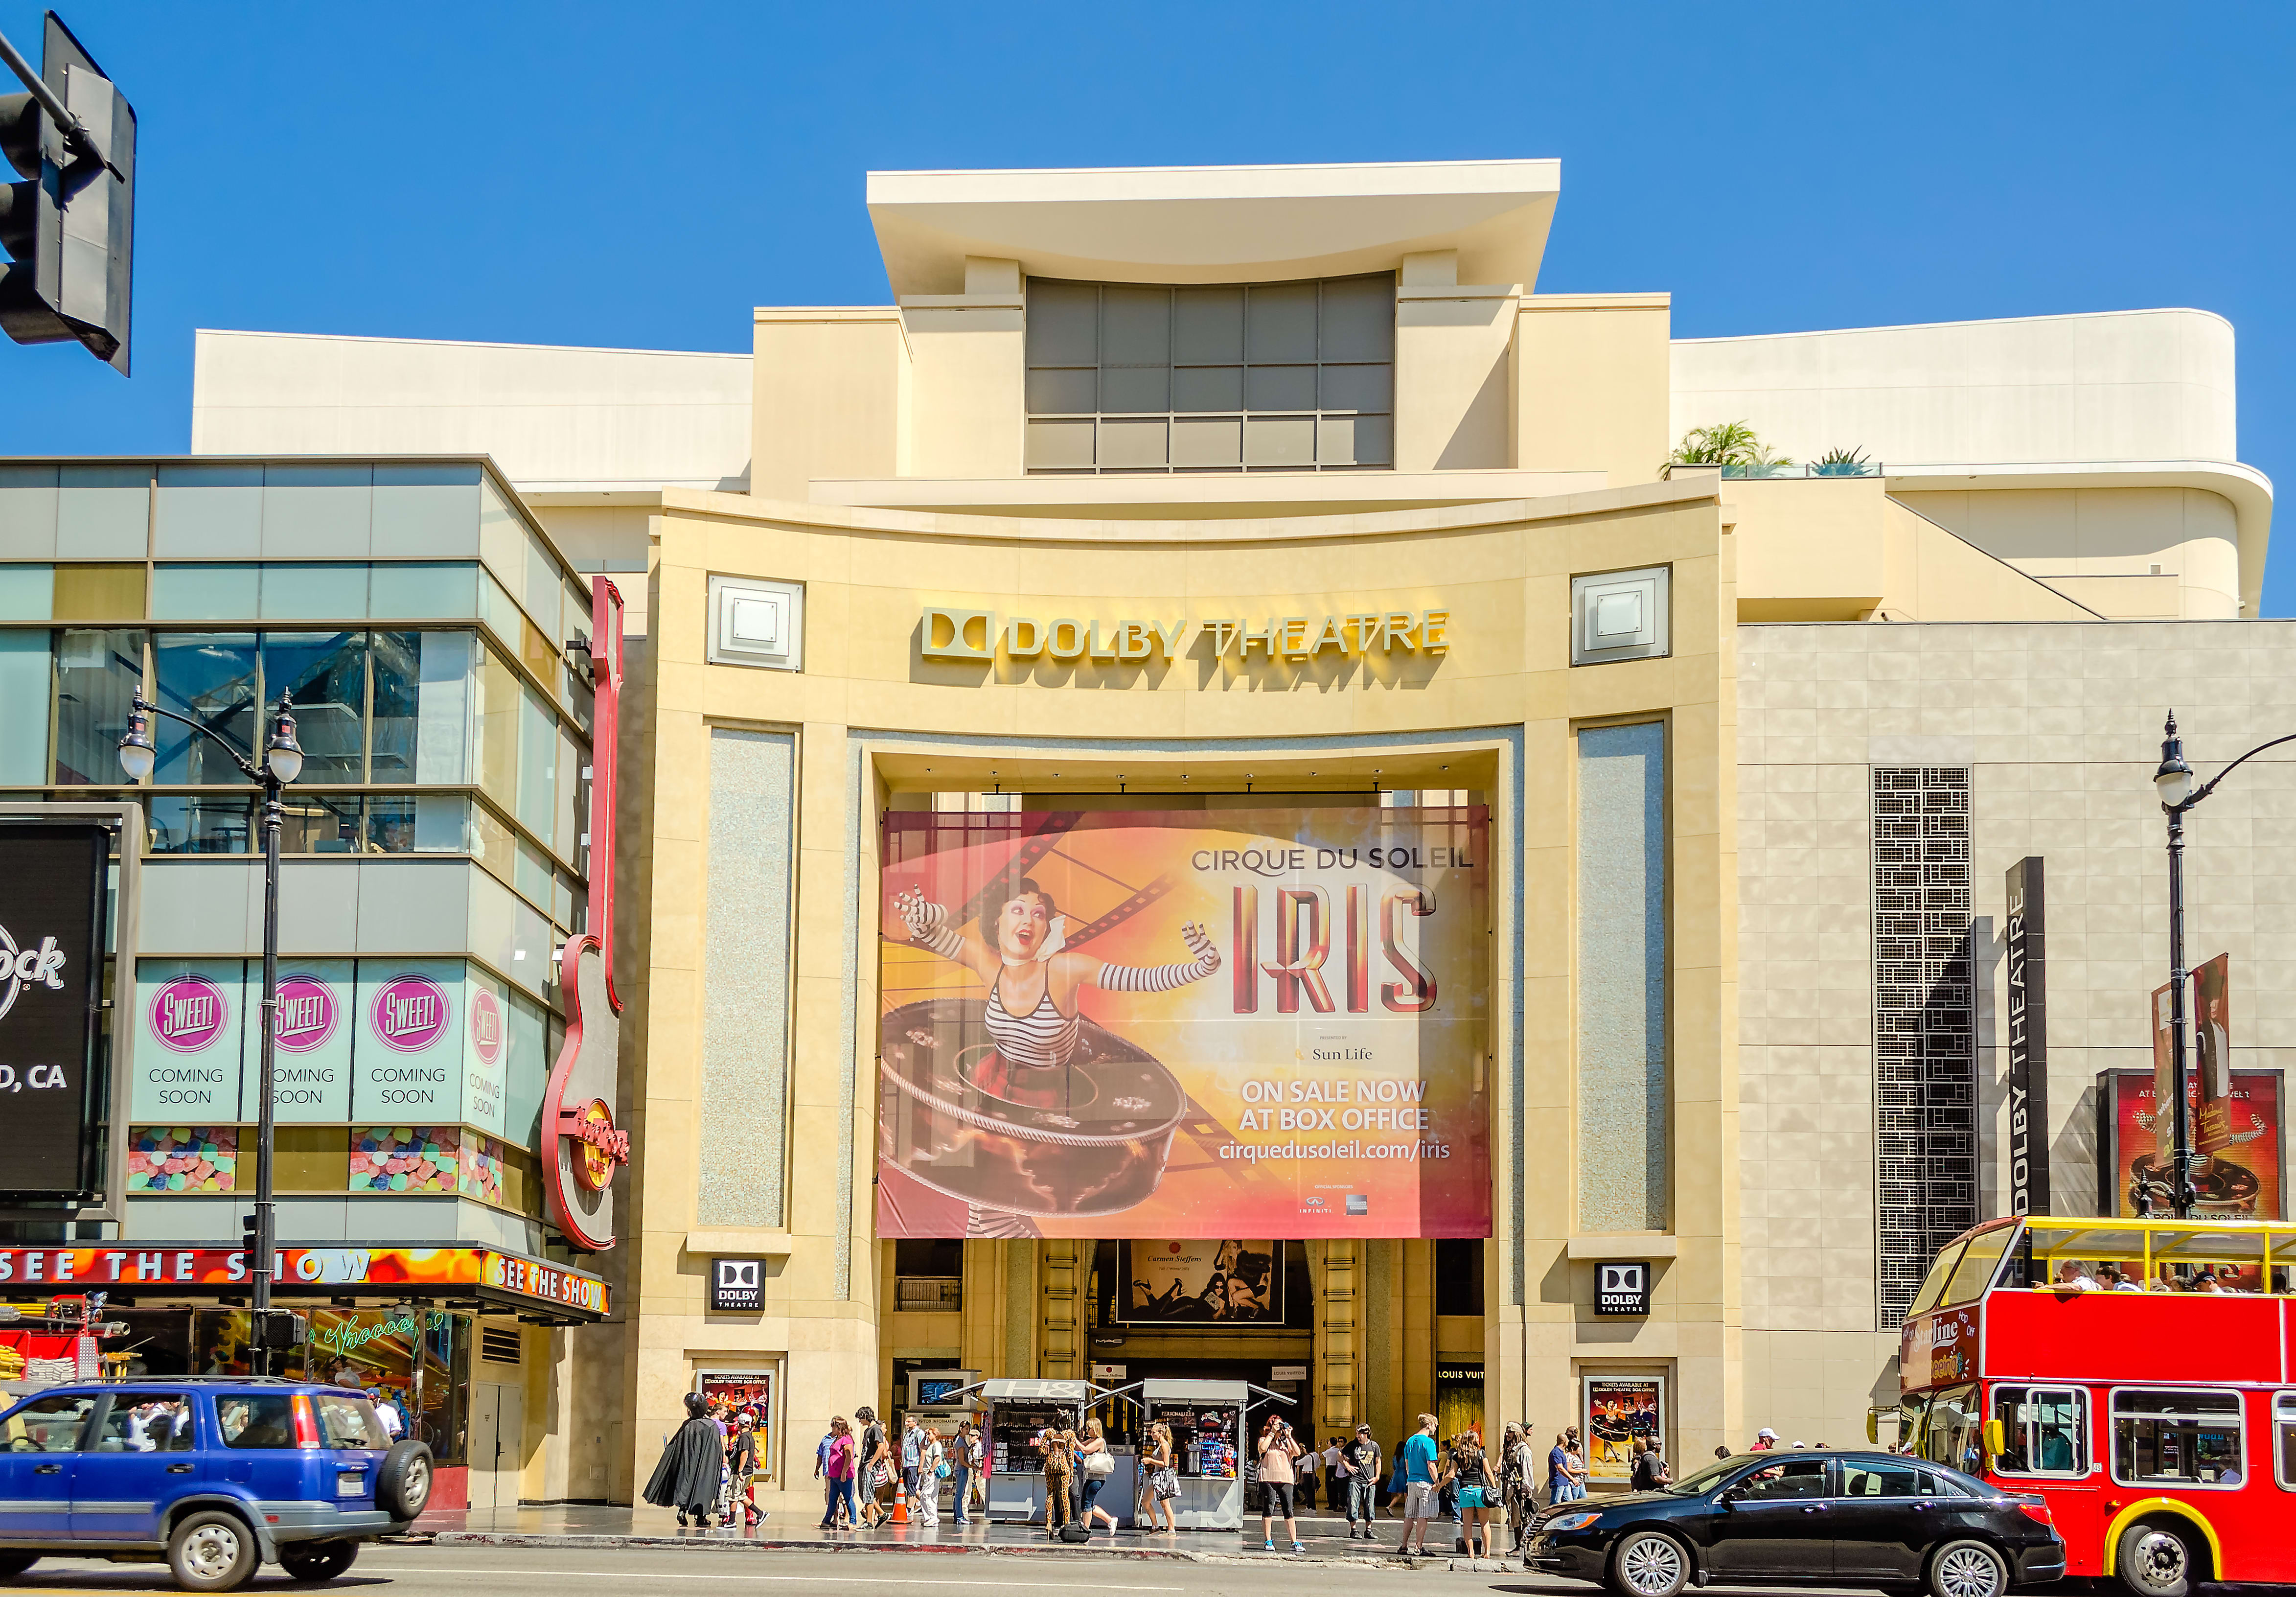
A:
[2132,554]
[866,697]
[2060,725]
[1590,384]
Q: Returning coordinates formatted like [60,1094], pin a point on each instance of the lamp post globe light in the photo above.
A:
[2174,782]
[282,763]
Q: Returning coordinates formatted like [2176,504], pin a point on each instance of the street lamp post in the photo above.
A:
[282,763]
[2174,783]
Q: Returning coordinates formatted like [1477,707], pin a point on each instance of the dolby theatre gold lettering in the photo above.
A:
[952,634]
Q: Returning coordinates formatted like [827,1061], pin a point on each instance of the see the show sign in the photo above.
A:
[2025,944]
[736,1286]
[50,1010]
[946,634]
[1622,1288]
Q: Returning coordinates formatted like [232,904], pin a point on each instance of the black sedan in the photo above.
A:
[1828,1519]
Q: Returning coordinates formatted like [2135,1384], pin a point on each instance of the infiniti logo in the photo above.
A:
[44,963]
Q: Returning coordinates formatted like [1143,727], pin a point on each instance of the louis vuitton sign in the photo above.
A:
[951,634]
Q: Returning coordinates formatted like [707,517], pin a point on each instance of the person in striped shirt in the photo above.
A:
[1033,979]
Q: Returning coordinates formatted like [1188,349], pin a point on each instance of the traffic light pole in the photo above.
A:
[77,139]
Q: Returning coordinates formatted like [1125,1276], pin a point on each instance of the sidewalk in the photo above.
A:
[578,1524]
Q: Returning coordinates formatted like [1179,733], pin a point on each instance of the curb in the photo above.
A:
[504,1538]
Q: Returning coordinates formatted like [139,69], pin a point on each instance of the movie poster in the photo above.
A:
[1200,1283]
[1184,1024]
[1621,1411]
[2241,1179]
[2213,1125]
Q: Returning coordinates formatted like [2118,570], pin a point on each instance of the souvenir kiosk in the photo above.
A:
[1014,1411]
[1210,1422]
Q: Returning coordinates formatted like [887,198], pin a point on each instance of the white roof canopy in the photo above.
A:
[1215,224]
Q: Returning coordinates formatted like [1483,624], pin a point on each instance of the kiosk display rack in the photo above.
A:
[1210,1420]
[1013,1413]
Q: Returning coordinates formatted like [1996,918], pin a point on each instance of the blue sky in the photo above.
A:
[641,175]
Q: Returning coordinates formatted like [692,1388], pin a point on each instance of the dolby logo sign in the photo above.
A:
[1621,1288]
[737,1285]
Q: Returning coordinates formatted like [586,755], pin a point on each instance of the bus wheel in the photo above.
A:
[1968,1570]
[2154,1561]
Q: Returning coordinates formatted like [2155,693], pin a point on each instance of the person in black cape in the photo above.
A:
[687,1479]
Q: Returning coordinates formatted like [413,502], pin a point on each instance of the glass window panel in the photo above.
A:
[1057,390]
[502,539]
[422,590]
[312,823]
[538,764]
[492,843]
[1358,388]
[327,674]
[1208,387]
[570,826]
[209,678]
[311,510]
[500,697]
[528,1077]
[1136,325]
[203,823]
[1352,441]
[1207,441]
[336,592]
[541,655]
[28,592]
[1280,323]
[213,592]
[502,616]
[423,691]
[1208,326]
[1060,446]
[430,823]
[533,873]
[103,512]
[99,593]
[98,672]
[1280,388]
[1062,323]
[1279,440]
[1358,319]
[1134,388]
[1132,443]
[577,607]
[562,900]
[429,510]
[24,707]
[211,510]
[28,510]
[542,594]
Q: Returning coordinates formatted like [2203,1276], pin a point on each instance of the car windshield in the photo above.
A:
[1705,1480]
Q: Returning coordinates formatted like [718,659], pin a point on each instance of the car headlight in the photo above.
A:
[1571,1522]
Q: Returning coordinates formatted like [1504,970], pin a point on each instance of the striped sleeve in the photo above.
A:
[1155,978]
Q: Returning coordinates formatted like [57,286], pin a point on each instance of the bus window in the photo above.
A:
[1933,1283]
[1909,1421]
[2177,1435]
[2042,1431]
[1974,1272]
[1950,1436]
[2283,1426]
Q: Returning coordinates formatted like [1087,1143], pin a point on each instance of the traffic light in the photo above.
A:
[67,230]
[251,1241]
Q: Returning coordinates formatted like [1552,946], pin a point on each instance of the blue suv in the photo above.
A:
[215,1476]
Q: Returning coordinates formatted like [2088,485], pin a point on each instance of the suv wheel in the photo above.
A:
[12,1564]
[317,1561]
[1968,1570]
[1649,1563]
[401,1483]
[212,1551]
[2154,1561]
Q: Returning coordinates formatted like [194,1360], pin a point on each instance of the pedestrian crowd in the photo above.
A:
[709,1468]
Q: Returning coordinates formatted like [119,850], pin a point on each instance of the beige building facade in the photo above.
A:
[1241,395]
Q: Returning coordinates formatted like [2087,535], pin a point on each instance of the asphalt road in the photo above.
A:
[656,1572]
[458,1571]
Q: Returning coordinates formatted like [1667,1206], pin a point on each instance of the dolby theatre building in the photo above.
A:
[1199,805]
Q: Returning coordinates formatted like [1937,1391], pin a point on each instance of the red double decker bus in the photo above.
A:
[2136,1373]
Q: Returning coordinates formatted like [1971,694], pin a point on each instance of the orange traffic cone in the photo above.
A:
[900,1503]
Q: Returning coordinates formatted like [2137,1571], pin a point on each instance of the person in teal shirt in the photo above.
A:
[1417,1462]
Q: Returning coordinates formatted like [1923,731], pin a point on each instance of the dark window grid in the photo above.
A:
[1244,366]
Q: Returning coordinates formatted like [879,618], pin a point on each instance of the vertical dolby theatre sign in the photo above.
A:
[51,911]
[2024,948]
